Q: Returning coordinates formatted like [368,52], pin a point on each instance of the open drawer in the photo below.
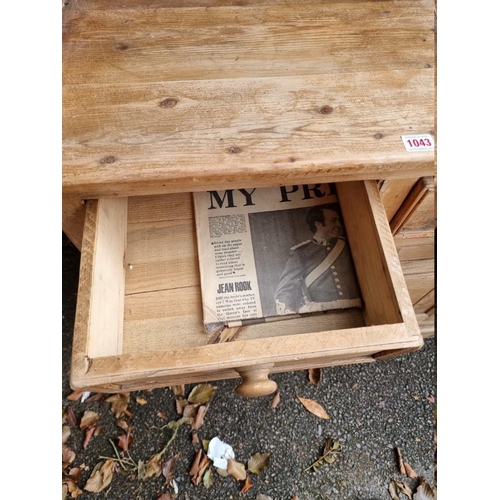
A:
[139,315]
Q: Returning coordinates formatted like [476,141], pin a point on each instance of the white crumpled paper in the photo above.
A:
[219,452]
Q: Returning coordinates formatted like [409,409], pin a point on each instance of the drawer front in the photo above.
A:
[139,317]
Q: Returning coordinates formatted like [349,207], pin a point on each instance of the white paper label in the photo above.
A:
[420,142]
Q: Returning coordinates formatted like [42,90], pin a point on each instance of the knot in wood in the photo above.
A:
[122,46]
[378,136]
[234,150]
[108,159]
[326,110]
[169,102]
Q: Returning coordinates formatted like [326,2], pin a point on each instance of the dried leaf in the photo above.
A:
[409,471]
[198,467]
[98,431]
[119,404]
[198,422]
[95,397]
[125,441]
[101,476]
[208,478]
[258,462]
[89,418]
[141,401]
[404,488]
[70,416]
[123,424]
[195,438]
[74,474]
[431,399]
[66,433]
[165,496]
[64,491]
[153,466]
[222,472]
[401,464]
[74,490]
[75,395]
[205,444]
[247,485]
[424,491]
[314,407]
[162,415]
[393,490]
[236,469]
[295,497]
[169,467]
[180,404]
[178,390]
[201,394]
[329,456]
[416,398]
[68,455]
[88,435]
[276,400]
[315,376]
[190,411]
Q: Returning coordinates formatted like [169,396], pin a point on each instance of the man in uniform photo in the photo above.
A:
[319,274]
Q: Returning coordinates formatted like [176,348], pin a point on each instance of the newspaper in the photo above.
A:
[272,253]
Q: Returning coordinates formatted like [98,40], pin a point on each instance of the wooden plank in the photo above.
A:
[393,192]
[415,248]
[73,218]
[216,358]
[378,269]
[162,99]
[417,212]
[423,266]
[419,285]
[102,280]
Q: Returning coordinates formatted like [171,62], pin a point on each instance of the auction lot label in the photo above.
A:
[421,142]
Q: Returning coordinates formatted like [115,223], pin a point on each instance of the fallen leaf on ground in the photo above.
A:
[178,390]
[198,421]
[247,485]
[66,433]
[75,395]
[123,424]
[168,468]
[424,491]
[125,441]
[208,478]
[68,455]
[101,476]
[393,491]
[70,416]
[195,438]
[198,467]
[276,400]
[88,435]
[153,466]
[180,404]
[329,456]
[236,469]
[165,496]
[258,462]
[315,375]
[295,497]
[201,394]
[431,399]
[401,464]
[141,401]
[416,398]
[403,488]
[409,471]
[314,407]
[119,404]
[89,418]
[162,415]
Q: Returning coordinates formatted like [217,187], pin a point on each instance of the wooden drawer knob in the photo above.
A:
[256,382]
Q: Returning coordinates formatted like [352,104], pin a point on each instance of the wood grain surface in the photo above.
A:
[162,98]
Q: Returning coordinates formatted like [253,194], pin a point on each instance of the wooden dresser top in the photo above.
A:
[173,96]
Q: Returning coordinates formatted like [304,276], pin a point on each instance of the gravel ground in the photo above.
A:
[374,408]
